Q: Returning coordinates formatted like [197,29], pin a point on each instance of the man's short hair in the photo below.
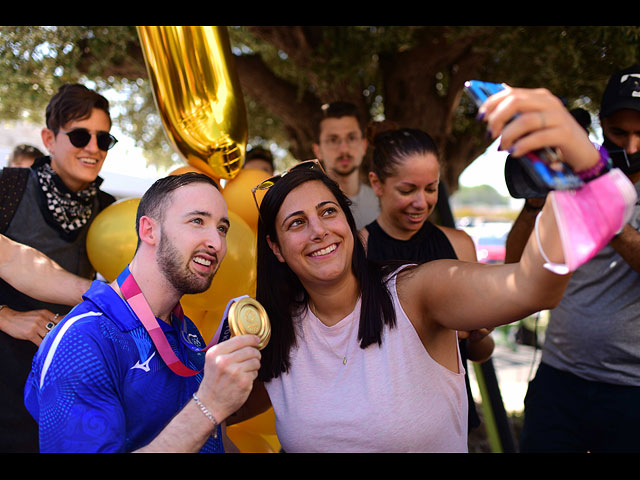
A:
[337,109]
[73,102]
[260,154]
[154,201]
[24,150]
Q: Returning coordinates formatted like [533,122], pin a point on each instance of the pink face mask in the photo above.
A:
[588,218]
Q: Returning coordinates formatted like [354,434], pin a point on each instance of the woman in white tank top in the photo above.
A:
[363,359]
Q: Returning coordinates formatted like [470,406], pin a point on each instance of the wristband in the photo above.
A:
[207,414]
[603,165]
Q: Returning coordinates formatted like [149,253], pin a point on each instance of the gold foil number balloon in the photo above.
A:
[197,92]
[112,238]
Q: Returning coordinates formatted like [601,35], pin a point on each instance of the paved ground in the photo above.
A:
[514,366]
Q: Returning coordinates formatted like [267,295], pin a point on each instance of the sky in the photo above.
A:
[487,169]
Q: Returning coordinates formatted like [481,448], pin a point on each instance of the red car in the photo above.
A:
[491,249]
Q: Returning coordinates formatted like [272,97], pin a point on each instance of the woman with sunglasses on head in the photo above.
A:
[405,174]
[54,203]
[363,359]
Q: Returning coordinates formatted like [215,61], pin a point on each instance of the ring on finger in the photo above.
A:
[542,120]
[50,325]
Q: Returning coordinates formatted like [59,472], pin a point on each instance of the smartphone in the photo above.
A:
[536,164]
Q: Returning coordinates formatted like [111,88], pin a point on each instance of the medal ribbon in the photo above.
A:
[135,298]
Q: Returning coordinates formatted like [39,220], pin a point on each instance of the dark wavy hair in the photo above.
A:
[281,293]
[73,102]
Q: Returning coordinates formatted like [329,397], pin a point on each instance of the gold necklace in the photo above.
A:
[344,358]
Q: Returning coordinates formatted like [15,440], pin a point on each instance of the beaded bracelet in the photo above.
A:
[208,414]
[604,164]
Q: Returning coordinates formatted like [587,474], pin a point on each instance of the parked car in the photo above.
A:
[491,248]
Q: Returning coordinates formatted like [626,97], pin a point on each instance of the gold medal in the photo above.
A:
[248,316]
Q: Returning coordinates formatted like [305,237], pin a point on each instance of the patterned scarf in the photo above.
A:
[70,210]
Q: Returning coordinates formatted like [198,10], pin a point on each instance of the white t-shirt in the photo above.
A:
[365,206]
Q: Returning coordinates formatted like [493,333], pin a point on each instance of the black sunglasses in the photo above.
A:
[80,138]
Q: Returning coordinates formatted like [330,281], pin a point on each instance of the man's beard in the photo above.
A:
[178,274]
[344,173]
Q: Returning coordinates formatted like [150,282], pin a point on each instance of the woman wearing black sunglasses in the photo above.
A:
[364,360]
[55,201]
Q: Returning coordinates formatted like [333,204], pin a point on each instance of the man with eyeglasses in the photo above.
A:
[49,207]
[586,392]
[341,147]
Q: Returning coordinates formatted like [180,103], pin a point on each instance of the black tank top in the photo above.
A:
[429,243]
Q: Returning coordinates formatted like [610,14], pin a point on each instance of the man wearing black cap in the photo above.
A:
[587,389]
[620,119]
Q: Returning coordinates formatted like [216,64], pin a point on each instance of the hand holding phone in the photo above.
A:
[543,166]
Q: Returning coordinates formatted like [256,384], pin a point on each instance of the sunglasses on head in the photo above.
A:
[80,138]
[269,182]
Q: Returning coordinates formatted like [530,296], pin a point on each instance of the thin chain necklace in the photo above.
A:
[353,321]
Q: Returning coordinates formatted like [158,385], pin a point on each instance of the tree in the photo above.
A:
[412,75]
[480,195]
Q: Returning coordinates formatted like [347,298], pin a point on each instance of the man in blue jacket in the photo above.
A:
[126,370]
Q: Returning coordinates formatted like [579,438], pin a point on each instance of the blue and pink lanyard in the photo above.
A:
[135,298]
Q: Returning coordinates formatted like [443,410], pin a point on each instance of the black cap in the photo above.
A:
[622,92]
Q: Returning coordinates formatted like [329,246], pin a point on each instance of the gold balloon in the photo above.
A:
[207,321]
[263,424]
[112,239]
[198,95]
[237,193]
[197,316]
[250,442]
